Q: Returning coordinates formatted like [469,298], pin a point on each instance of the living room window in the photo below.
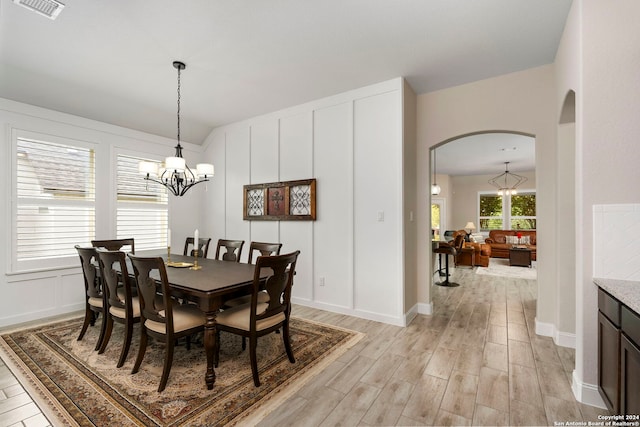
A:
[142,207]
[55,200]
[523,211]
[514,212]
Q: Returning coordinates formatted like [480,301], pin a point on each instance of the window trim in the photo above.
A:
[53,263]
[136,204]
[506,208]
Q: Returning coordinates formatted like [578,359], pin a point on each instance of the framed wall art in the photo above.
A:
[280,201]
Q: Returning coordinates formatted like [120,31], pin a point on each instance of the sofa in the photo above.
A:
[503,240]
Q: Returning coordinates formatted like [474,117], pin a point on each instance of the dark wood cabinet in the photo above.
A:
[630,363]
[609,362]
[618,355]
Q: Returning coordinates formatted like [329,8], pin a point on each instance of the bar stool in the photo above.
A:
[445,250]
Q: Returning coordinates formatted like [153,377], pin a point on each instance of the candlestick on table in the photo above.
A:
[195,261]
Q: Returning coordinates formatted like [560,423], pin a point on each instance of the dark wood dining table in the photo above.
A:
[207,288]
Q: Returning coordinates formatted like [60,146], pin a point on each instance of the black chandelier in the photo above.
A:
[174,173]
[507,182]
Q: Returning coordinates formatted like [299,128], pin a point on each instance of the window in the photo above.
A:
[514,212]
[55,194]
[142,211]
[523,211]
[491,212]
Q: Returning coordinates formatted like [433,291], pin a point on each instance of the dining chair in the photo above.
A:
[122,306]
[203,247]
[233,250]
[166,322]
[94,298]
[257,319]
[114,244]
[265,249]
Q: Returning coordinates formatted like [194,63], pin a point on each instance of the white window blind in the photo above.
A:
[142,211]
[55,190]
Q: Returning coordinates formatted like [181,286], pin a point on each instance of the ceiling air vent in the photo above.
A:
[49,8]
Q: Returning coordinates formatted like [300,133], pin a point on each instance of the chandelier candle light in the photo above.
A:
[175,174]
[507,182]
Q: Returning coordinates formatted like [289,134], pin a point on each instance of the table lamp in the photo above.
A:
[469,229]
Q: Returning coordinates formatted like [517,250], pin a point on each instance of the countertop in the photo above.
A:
[625,291]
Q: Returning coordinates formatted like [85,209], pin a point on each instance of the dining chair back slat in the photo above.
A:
[233,250]
[203,247]
[114,244]
[264,248]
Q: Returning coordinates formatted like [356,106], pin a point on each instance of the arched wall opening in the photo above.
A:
[464,165]
[566,224]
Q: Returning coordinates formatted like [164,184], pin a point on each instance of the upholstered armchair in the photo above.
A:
[481,255]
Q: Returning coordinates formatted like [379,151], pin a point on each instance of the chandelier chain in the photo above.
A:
[178,105]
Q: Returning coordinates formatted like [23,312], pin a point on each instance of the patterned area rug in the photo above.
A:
[74,385]
[501,267]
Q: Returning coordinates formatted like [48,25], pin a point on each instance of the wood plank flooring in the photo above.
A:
[475,361]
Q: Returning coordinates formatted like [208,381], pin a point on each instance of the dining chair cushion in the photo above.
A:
[96,302]
[135,305]
[263,297]
[239,317]
[184,317]
[120,312]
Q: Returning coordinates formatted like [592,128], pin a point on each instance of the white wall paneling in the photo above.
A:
[214,204]
[43,294]
[377,203]
[296,147]
[352,144]
[333,231]
[237,165]
[296,162]
[264,168]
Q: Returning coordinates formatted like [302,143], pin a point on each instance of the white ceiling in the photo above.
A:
[486,154]
[111,60]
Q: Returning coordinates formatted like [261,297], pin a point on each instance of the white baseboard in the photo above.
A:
[563,339]
[398,321]
[411,314]
[586,393]
[425,308]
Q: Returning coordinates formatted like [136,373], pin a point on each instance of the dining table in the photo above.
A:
[207,287]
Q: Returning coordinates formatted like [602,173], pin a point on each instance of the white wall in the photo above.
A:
[29,295]
[352,144]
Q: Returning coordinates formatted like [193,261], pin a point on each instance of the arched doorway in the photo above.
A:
[565,221]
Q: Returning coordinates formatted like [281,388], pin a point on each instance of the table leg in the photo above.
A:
[209,346]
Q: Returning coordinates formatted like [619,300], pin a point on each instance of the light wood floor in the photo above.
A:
[475,361]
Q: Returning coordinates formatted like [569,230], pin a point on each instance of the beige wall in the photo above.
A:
[465,195]
[409,197]
[518,102]
[598,59]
